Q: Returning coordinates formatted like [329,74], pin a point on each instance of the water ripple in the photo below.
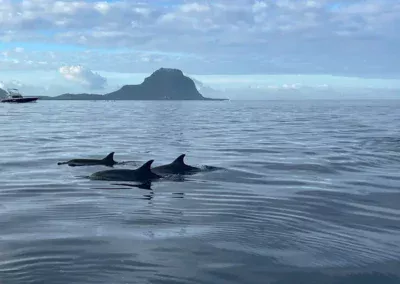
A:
[307,192]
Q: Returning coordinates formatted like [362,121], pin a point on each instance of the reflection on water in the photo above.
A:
[291,192]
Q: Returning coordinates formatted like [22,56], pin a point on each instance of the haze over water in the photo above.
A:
[309,193]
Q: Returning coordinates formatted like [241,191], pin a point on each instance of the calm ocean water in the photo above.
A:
[309,193]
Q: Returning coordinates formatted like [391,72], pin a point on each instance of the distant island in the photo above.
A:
[3,93]
[162,84]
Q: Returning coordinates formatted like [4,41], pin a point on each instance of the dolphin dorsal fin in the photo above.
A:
[179,160]
[146,166]
[109,157]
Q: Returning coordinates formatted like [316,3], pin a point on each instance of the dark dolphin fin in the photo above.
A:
[146,167]
[179,160]
[109,158]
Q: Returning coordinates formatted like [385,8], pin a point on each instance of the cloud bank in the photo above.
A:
[236,36]
[357,38]
[83,76]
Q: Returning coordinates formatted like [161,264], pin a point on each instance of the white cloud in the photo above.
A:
[102,7]
[83,76]
[19,49]
[259,6]
[194,7]
[34,89]
[253,18]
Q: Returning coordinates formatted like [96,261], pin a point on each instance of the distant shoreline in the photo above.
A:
[48,98]
[164,84]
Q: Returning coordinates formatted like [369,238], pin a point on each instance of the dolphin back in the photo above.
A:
[107,161]
[141,174]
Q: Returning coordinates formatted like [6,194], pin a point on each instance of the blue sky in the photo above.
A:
[97,46]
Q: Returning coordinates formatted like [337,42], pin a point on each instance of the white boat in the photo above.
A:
[14,96]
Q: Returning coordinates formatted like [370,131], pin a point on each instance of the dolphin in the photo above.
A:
[107,161]
[177,167]
[142,174]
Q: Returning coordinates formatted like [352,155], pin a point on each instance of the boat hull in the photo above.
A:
[19,100]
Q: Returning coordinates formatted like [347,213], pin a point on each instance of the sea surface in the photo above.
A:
[308,192]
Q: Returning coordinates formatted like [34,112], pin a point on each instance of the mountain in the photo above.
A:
[3,93]
[162,84]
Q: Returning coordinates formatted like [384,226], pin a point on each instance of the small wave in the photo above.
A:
[304,192]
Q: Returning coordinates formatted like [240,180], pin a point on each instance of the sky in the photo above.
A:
[244,46]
